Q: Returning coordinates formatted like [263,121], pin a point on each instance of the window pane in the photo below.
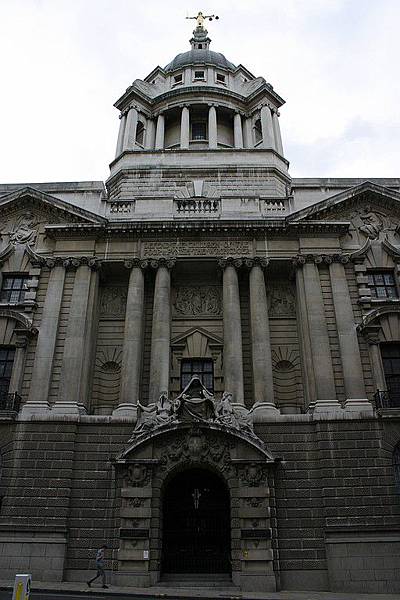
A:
[381,292]
[392,292]
[379,279]
[7,283]
[389,280]
[198,131]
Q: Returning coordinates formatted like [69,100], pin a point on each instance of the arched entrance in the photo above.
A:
[196,524]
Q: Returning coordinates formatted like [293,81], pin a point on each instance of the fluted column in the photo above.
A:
[38,398]
[233,356]
[121,133]
[277,133]
[185,115]
[130,129]
[264,403]
[356,397]
[237,131]
[372,336]
[20,343]
[160,131]
[326,400]
[71,398]
[267,128]
[161,329]
[212,127]
[132,351]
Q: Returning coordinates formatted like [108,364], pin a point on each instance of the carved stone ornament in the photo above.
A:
[22,228]
[194,446]
[371,222]
[113,301]
[137,475]
[254,475]
[282,301]
[198,301]
[194,404]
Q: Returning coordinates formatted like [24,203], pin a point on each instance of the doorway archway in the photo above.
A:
[196,523]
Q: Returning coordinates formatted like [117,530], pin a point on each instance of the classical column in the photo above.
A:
[233,356]
[121,133]
[237,131]
[277,133]
[326,400]
[150,134]
[264,404]
[304,335]
[132,350]
[38,398]
[356,397]
[160,130]
[70,397]
[248,133]
[267,128]
[161,329]
[212,127]
[130,129]
[185,128]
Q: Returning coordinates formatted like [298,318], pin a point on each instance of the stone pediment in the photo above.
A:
[342,206]
[33,207]
[372,210]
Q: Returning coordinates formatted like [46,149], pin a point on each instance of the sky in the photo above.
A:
[64,63]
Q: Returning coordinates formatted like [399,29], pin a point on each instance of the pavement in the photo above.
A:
[69,589]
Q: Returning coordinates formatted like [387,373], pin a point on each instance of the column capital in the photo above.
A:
[256,261]
[317,259]
[231,261]
[135,263]
[74,262]
[167,262]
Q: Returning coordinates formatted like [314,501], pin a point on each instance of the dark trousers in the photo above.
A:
[100,573]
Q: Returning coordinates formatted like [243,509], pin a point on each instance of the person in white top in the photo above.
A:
[100,567]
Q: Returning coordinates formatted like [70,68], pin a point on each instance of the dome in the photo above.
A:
[198,56]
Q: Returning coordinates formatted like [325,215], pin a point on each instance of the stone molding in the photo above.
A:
[318,259]
[71,262]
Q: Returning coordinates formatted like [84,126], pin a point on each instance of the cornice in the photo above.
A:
[276,225]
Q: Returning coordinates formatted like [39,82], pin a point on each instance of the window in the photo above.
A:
[13,288]
[202,367]
[382,285]
[140,133]
[220,78]
[178,78]
[199,130]
[6,364]
[199,74]
[391,365]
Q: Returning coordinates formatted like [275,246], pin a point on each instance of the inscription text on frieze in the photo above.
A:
[197,248]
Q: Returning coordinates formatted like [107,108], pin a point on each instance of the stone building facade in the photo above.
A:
[200,359]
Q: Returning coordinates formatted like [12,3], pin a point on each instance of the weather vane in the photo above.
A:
[201,18]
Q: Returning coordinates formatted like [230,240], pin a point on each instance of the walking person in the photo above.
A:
[100,567]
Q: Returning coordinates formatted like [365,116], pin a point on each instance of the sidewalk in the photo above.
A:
[201,593]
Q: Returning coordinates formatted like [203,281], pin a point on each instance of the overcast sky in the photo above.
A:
[65,62]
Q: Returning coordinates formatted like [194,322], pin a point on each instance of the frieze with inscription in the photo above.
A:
[197,248]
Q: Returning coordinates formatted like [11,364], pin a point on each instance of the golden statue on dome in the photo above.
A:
[201,18]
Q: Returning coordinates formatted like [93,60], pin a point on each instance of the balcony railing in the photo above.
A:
[197,205]
[10,402]
[386,400]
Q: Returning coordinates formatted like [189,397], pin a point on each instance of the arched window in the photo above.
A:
[140,133]
[396,468]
